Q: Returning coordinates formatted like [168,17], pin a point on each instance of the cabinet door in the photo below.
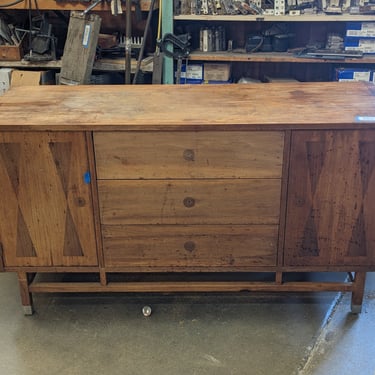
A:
[331,199]
[46,215]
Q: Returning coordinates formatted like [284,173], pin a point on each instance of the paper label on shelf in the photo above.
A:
[86,36]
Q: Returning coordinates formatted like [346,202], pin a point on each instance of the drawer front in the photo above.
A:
[254,201]
[229,247]
[129,155]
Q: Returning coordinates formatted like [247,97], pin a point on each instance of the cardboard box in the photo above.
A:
[192,74]
[353,74]
[216,72]
[32,78]
[366,45]
[5,79]
[12,53]
[360,29]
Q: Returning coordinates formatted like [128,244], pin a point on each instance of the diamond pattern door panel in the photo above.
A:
[46,215]
[331,199]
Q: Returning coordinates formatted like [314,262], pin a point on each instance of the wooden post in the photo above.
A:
[167,27]
[26,297]
[1,258]
[358,292]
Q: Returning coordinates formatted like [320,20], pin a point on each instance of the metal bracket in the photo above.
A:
[1,258]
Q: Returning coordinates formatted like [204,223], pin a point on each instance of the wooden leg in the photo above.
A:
[26,297]
[279,278]
[103,277]
[1,258]
[358,292]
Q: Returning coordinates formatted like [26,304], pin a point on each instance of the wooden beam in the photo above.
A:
[184,287]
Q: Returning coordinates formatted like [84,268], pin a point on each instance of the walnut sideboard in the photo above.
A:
[218,182]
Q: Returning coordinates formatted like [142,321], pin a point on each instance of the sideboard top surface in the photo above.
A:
[189,107]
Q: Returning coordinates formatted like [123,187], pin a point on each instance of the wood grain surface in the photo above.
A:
[182,107]
[46,214]
[331,206]
[190,246]
[189,155]
[253,201]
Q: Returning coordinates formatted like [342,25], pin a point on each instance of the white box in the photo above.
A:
[353,74]
[5,78]
[363,29]
[366,45]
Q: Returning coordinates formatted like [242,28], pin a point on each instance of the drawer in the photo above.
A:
[190,246]
[241,201]
[134,155]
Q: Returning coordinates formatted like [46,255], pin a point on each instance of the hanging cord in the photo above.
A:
[158,36]
[30,27]
[147,27]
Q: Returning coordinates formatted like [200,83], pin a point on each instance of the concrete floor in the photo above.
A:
[309,334]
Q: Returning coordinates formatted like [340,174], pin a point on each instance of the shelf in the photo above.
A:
[107,65]
[286,18]
[272,57]
[66,5]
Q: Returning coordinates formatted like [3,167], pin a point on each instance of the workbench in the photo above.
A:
[188,188]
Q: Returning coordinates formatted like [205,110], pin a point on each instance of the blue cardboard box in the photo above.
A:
[353,74]
[366,45]
[360,29]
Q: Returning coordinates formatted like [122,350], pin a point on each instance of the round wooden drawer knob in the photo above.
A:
[80,202]
[189,155]
[189,246]
[189,202]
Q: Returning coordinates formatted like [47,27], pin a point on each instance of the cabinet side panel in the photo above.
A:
[46,206]
[79,241]
[330,213]
[20,247]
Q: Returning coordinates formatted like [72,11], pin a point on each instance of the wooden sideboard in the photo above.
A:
[190,188]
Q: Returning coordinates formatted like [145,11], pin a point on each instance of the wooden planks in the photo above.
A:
[189,155]
[190,246]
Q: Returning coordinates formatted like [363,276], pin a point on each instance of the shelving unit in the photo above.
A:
[267,18]
[103,65]
[272,57]
[306,27]
[103,9]
[67,5]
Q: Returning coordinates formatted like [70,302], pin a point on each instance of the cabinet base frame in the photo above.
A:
[29,284]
